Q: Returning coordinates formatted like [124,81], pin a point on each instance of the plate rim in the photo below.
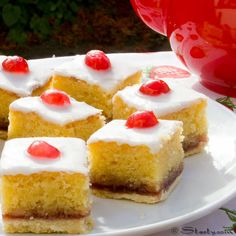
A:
[182,219]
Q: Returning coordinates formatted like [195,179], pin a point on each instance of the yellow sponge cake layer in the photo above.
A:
[194,126]
[40,90]
[41,226]
[39,195]
[58,198]
[127,171]
[6,99]
[31,125]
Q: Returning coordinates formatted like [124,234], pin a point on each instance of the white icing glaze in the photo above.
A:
[107,80]
[15,159]
[177,99]
[153,137]
[58,115]
[25,84]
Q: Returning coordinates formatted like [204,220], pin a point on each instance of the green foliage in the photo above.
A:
[10,14]
[75,25]
[40,17]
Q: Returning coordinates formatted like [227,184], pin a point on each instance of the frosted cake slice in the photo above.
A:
[95,78]
[45,186]
[53,114]
[140,159]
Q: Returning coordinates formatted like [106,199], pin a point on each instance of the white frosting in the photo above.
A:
[58,115]
[107,80]
[177,99]
[24,84]
[15,159]
[153,137]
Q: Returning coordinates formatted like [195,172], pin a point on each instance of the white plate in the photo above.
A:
[209,180]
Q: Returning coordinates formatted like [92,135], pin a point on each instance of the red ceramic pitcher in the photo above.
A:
[202,33]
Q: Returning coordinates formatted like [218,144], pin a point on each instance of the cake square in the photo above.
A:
[42,194]
[95,87]
[179,103]
[139,164]
[32,117]
[14,85]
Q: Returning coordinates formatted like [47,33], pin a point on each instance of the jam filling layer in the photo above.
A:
[142,190]
[192,143]
[58,216]
[4,123]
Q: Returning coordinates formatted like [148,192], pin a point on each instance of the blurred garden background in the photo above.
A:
[42,28]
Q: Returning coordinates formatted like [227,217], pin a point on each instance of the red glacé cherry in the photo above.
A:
[41,149]
[15,64]
[154,88]
[142,119]
[97,60]
[55,97]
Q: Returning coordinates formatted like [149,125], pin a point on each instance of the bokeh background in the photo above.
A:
[42,28]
